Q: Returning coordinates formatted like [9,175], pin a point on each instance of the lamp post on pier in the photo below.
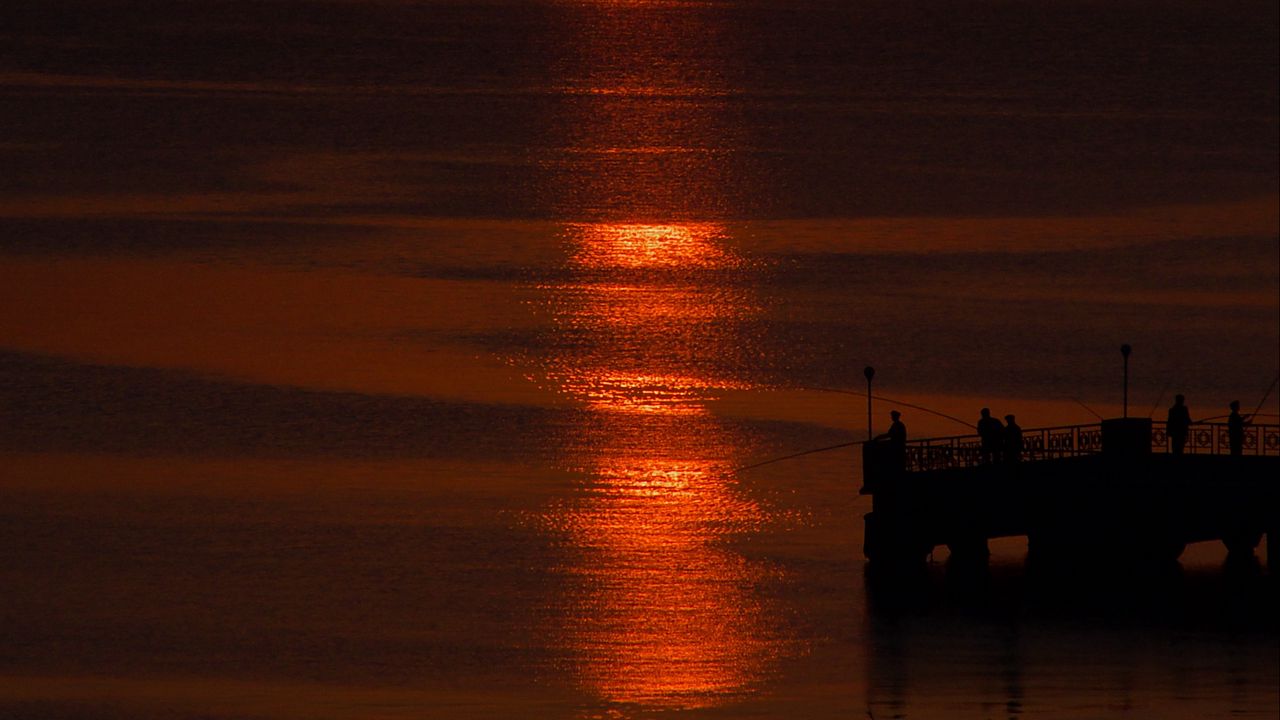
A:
[869,372]
[1125,350]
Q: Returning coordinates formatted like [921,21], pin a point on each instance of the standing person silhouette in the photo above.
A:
[1178,424]
[992,434]
[1012,440]
[1235,428]
[896,441]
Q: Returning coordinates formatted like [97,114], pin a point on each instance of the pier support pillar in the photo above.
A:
[889,542]
[970,550]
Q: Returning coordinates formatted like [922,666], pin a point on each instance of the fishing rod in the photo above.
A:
[1265,395]
[1221,417]
[1256,411]
[903,403]
[1159,397]
[853,442]
[800,454]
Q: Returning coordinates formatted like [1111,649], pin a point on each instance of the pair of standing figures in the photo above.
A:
[999,441]
[1178,426]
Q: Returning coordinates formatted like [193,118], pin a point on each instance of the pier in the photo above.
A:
[1111,492]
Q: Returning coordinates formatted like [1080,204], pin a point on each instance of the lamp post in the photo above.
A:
[1125,350]
[869,372]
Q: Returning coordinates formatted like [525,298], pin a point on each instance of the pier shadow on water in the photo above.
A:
[1019,638]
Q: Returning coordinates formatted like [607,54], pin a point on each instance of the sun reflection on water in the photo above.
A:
[644,246]
[659,610]
[661,615]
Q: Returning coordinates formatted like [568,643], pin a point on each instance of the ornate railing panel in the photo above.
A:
[1213,439]
[963,451]
[1037,444]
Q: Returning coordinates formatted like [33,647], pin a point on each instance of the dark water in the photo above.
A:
[393,359]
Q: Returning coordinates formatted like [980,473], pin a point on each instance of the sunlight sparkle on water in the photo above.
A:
[657,612]
[625,245]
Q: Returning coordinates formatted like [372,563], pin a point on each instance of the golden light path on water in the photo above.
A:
[659,611]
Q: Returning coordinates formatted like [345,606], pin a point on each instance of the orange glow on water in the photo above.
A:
[658,612]
[635,393]
[662,616]
[660,322]
[649,304]
[633,245]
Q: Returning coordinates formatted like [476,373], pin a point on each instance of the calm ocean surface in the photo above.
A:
[399,359]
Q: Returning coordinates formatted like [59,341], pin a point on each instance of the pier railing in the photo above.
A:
[1213,439]
[1051,443]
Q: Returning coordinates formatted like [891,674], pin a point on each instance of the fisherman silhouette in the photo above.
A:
[992,434]
[1178,424]
[1012,440]
[1235,428]
[896,441]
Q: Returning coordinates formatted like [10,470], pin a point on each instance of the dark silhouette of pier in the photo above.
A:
[1111,493]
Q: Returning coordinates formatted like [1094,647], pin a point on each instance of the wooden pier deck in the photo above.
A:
[1111,492]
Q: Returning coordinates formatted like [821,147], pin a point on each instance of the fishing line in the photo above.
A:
[882,398]
[854,442]
[1086,407]
[956,419]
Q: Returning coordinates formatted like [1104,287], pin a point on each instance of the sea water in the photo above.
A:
[405,359]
